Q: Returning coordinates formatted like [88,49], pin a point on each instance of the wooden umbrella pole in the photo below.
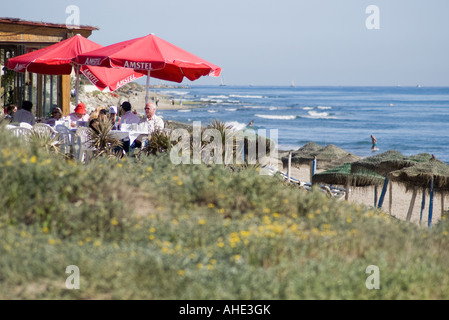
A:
[375,196]
[390,200]
[412,204]
[289,168]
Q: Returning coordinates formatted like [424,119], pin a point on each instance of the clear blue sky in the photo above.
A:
[275,42]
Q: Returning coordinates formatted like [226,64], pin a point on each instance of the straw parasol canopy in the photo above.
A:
[342,175]
[372,163]
[327,157]
[422,173]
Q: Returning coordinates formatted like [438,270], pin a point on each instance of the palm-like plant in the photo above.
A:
[45,140]
[229,140]
[102,141]
[158,142]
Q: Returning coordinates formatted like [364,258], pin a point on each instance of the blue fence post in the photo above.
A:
[382,195]
[314,165]
[423,204]
[429,222]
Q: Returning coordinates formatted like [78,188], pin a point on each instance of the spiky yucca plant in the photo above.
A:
[228,138]
[45,140]
[102,141]
[158,142]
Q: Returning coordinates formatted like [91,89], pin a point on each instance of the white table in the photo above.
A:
[132,135]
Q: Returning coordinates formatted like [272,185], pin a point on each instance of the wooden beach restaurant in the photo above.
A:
[18,37]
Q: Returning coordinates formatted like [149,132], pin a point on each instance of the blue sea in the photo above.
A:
[410,120]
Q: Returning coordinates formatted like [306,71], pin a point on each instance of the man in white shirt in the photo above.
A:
[24,114]
[129,117]
[151,121]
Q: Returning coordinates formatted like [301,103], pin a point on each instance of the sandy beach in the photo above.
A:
[396,205]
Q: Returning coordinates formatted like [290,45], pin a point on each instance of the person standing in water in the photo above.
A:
[374,143]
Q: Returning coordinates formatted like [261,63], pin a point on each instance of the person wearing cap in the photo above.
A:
[114,117]
[129,117]
[79,114]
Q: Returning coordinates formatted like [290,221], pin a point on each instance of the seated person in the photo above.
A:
[93,124]
[79,114]
[10,110]
[56,115]
[114,117]
[128,117]
[25,114]
[149,123]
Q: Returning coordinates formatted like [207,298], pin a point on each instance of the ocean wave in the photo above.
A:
[178,93]
[246,96]
[212,111]
[221,96]
[307,108]
[324,107]
[275,117]
[254,107]
[184,110]
[211,100]
[231,109]
[318,115]
[236,125]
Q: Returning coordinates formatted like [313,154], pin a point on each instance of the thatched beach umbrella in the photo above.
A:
[342,175]
[432,175]
[385,163]
[390,157]
[327,157]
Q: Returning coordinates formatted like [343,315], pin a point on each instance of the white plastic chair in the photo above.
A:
[25,125]
[21,132]
[44,129]
[67,139]
[86,150]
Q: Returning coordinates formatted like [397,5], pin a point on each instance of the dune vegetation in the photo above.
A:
[145,228]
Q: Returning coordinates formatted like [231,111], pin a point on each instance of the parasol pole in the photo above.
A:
[382,195]
[429,222]
[423,204]
[77,85]
[147,87]
[412,204]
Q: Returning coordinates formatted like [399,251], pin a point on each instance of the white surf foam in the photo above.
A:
[275,117]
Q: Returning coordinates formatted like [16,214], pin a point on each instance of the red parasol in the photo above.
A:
[57,59]
[152,56]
